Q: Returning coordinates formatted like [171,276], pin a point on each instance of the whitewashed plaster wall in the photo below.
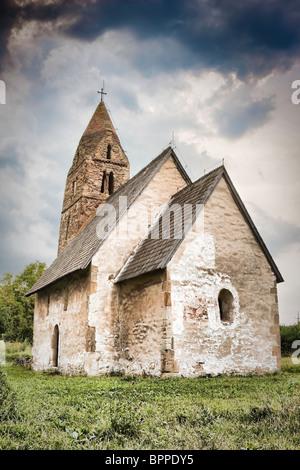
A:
[223,255]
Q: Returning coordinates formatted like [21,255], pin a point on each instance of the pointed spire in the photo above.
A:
[100,120]
[99,157]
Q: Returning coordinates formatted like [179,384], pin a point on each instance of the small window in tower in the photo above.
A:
[103,182]
[108,152]
[226,306]
[74,187]
[67,227]
[111,183]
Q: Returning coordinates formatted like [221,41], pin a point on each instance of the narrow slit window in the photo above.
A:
[108,152]
[103,182]
[74,187]
[67,226]
[55,346]
[66,298]
[48,303]
[111,183]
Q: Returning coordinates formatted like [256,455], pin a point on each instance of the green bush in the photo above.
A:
[17,350]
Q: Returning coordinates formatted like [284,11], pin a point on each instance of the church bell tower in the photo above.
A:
[99,167]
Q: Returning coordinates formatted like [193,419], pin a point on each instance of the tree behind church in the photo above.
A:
[16,310]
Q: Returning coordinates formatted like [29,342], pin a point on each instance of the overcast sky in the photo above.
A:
[216,75]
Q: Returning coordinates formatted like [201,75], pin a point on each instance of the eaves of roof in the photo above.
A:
[79,252]
[154,253]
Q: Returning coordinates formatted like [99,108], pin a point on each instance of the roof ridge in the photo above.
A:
[149,256]
[222,166]
[199,180]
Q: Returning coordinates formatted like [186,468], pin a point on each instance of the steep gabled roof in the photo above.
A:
[80,251]
[100,121]
[155,251]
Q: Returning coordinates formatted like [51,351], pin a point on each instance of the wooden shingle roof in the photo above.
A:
[80,251]
[157,248]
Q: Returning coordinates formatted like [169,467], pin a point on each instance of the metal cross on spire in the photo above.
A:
[102,92]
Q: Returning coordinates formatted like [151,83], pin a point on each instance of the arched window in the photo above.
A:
[108,152]
[103,182]
[226,309]
[111,183]
[55,346]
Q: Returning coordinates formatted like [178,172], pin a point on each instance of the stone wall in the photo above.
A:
[63,305]
[223,256]
[140,328]
[85,189]
[168,321]
[107,307]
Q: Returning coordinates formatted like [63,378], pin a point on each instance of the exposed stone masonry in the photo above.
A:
[100,166]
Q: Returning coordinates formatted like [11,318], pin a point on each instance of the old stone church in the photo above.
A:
[154,274]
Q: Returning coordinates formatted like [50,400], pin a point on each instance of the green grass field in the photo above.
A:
[63,412]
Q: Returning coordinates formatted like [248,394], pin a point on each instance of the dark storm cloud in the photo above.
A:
[8,13]
[250,37]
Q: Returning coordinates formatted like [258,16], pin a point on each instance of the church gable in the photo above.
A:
[223,291]
[229,220]
[159,245]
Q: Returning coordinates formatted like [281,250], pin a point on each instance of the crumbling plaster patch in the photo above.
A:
[203,344]
[194,277]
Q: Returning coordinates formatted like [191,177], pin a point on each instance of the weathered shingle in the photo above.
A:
[160,243]
[79,252]
[156,249]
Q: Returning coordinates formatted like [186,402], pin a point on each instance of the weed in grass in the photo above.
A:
[125,419]
[257,414]
[7,400]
